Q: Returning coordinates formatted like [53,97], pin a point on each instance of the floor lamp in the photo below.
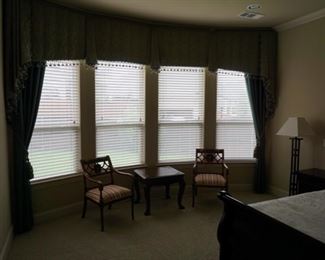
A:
[295,127]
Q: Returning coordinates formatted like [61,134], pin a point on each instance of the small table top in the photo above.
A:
[157,172]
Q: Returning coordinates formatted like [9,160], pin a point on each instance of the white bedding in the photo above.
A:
[304,212]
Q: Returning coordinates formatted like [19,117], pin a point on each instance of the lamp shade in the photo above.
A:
[295,126]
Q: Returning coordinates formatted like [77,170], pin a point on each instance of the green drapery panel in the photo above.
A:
[177,46]
[117,40]
[22,127]
[257,97]
[17,42]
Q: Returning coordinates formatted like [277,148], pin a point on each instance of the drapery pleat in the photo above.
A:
[22,129]
[57,33]
[257,98]
[234,50]
[176,46]
[117,40]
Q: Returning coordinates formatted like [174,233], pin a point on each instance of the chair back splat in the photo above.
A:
[98,167]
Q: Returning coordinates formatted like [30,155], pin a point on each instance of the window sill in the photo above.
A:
[229,161]
[75,175]
[55,178]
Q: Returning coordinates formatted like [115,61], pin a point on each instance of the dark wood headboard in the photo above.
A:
[245,233]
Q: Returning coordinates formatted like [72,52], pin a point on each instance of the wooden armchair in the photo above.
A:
[99,187]
[209,170]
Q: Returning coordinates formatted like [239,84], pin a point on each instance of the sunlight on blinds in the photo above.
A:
[181,113]
[235,128]
[120,112]
[55,146]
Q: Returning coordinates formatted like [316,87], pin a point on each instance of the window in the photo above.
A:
[235,129]
[181,101]
[120,112]
[54,149]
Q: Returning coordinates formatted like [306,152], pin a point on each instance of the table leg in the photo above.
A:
[181,184]
[137,190]
[147,197]
[167,193]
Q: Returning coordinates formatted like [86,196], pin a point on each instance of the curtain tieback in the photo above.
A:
[257,149]
[28,167]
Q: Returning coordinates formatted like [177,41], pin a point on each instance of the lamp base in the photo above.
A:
[294,169]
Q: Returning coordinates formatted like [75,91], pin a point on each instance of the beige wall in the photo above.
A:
[301,92]
[48,196]
[5,221]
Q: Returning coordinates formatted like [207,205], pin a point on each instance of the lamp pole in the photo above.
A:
[295,152]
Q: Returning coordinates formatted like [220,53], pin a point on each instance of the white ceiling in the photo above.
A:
[202,12]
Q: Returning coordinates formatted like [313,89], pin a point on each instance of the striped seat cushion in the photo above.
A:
[210,180]
[110,193]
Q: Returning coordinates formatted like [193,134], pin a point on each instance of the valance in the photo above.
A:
[234,50]
[117,40]
[57,33]
[176,46]
[48,31]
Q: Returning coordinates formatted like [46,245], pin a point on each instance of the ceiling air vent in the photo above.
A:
[251,15]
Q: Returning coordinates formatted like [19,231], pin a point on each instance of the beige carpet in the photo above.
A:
[169,233]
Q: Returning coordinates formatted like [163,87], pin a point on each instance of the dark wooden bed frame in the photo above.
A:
[246,233]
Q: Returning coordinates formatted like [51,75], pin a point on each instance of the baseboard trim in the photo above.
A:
[7,245]
[278,192]
[58,212]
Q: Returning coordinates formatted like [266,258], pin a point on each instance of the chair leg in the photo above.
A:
[193,195]
[84,208]
[132,208]
[109,206]
[102,218]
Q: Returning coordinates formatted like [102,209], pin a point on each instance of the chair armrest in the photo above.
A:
[126,174]
[98,182]
[195,168]
[225,166]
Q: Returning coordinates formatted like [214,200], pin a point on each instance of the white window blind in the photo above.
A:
[120,112]
[181,112]
[55,147]
[235,129]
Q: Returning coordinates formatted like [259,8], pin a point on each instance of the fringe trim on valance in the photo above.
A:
[62,63]
[181,69]
[119,64]
[230,72]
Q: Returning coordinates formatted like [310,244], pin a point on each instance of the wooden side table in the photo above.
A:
[157,176]
[311,180]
